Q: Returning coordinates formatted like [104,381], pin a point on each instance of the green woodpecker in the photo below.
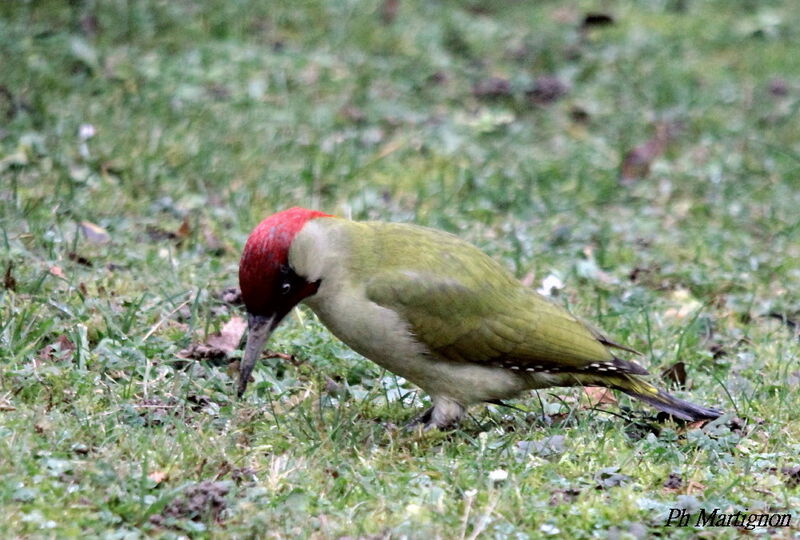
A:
[430,308]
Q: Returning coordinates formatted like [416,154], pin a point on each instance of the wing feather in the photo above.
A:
[465,307]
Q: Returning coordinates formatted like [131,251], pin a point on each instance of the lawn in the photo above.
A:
[643,155]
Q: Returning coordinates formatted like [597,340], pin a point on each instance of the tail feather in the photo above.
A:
[661,400]
[676,407]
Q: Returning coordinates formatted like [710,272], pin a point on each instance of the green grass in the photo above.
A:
[215,114]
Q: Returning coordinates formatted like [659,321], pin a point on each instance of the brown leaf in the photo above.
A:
[94,234]
[636,163]
[598,395]
[229,335]
[184,230]
[6,406]
[219,345]
[675,374]
[57,350]
[157,233]
[693,487]
[56,271]
[697,424]
[9,283]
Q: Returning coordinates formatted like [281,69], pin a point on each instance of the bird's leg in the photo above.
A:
[444,413]
[423,419]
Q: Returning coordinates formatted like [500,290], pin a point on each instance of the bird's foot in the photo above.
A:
[423,420]
[444,414]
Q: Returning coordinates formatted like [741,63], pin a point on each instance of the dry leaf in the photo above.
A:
[676,373]
[696,424]
[598,395]
[636,163]
[219,345]
[694,487]
[94,234]
[229,336]
[8,279]
[56,350]
[6,406]
[184,229]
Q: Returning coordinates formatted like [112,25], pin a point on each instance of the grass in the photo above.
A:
[209,116]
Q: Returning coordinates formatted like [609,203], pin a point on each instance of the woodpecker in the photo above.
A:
[431,308]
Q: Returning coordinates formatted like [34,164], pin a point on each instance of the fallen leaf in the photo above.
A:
[598,395]
[184,229]
[57,350]
[56,271]
[676,374]
[637,161]
[695,487]
[6,406]
[94,234]
[697,424]
[9,283]
[218,345]
[229,335]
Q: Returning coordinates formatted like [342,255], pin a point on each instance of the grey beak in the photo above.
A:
[258,330]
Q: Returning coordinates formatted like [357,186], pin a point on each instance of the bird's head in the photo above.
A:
[270,287]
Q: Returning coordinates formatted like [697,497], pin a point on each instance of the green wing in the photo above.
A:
[466,308]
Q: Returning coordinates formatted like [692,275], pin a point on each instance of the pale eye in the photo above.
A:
[285,288]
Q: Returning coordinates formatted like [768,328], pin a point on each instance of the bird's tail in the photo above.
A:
[678,408]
